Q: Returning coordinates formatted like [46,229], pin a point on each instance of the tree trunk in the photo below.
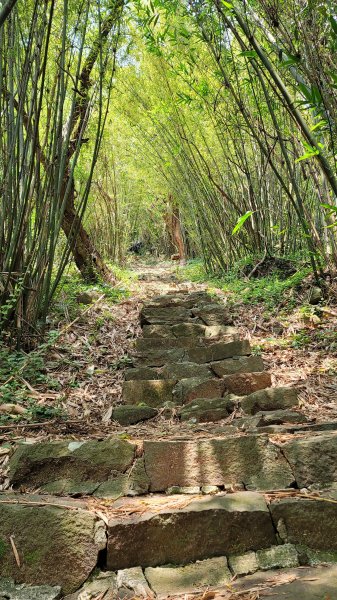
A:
[87,259]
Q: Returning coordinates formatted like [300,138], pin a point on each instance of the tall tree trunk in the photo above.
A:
[87,258]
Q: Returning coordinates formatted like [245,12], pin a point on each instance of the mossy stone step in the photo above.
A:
[158,532]
[200,354]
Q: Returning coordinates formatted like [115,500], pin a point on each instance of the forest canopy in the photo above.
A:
[199,127]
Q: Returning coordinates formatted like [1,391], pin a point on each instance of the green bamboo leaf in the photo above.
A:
[242,220]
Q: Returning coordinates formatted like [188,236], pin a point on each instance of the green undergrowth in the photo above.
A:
[67,302]
[271,290]
[22,375]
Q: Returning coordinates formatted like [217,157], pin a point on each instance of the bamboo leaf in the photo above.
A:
[242,220]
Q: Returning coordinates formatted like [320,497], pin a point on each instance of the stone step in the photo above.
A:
[183,370]
[200,354]
[212,332]
[249,461]
[207,314]
[159,531]
[211,578]
[115,467]
[146,344]
[160,538]
[256,395]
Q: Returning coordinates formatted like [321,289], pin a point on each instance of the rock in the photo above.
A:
[128,415]
[277,557]
[167,316]
[197,387]
[210,489]
[69,467]
[269,399]
[277,417]
[313,459]
[178,299]
[157,331]
[179,580]
[207,409]
[103,585]
[142,373]
[87,297]
[251,460]
[49,538]
[145,345]
[165,534]
[134,580]
[216,332]
[316,557]
[11,591]
[152,393]
[311,523]
[243,564]
[185,370]
[315,295]
[133,483]
[212,314]
[218,351]
[158,357]
[318,583]
[247,383]
[192,330]
[237,364]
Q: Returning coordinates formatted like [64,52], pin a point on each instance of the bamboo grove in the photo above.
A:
[118,118]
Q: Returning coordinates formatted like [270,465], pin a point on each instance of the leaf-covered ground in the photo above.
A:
[70,386]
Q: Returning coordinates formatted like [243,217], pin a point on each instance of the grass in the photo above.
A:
[269,291]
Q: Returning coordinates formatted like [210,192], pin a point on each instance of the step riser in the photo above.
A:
[201,530]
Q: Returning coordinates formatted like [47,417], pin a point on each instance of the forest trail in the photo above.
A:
[207,464]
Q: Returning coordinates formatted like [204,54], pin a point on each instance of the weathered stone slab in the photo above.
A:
[277,557]
[102,586]
[204,528]
[318,583]
[167,316]
[217,332]
[142,373]
[159,357]
[179,299]
[218,351]
[270,399]
[145,345]
[179,580]
[277,417]
[205,410]
[133,483]
[77,467]
[129,414]
[193,330]
[185,370]
[251,460]
[189,389]
[243,564]
[56,545]
[313,459]
[157,331]
[11,591]
[133,580]
[247,383]
[150,392]
[310,523]
[213,314]
[238,364]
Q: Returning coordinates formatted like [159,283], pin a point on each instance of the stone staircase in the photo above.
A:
[220,506]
